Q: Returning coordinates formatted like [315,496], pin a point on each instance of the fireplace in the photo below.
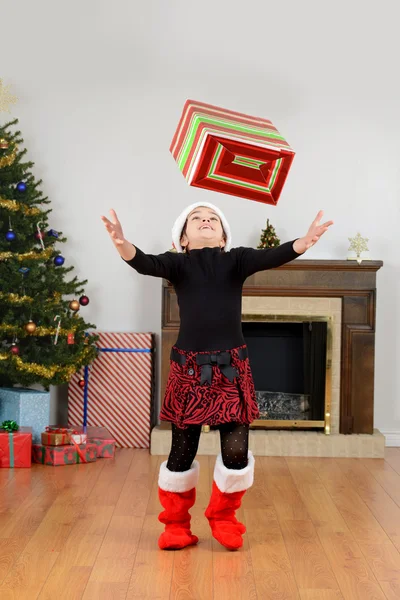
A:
[339,297]
[291,358]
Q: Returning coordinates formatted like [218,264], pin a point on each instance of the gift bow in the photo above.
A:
[222,360]
[9,426]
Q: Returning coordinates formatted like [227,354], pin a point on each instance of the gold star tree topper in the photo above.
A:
[6,98]
[358,244]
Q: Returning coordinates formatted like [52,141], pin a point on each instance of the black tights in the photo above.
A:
[234,446]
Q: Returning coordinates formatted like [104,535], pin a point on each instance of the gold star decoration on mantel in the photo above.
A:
[6,97]
[358,244]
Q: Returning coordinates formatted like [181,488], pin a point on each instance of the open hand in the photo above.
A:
[114,228]
[313,234]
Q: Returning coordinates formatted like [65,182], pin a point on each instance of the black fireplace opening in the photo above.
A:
[288,362]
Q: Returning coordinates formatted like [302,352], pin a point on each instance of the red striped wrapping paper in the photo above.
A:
[119,391]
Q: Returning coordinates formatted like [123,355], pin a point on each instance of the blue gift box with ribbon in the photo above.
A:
[29,408]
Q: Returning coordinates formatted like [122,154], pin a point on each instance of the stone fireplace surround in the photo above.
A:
[342,290]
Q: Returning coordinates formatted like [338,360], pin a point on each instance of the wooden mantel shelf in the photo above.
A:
[355,285]
[334,265]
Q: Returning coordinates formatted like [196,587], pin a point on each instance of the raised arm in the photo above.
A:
[114,228]
[157,265]
[251,261]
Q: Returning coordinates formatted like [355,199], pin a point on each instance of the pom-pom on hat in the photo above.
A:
[181,220]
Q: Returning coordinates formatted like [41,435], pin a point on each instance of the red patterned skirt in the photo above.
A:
[209,388]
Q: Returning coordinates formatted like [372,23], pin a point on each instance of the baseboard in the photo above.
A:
[392,438]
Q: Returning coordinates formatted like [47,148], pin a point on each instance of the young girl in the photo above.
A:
[210,380]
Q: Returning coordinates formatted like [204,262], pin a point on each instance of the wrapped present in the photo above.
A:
[61,436]
[16,448]
[230,152]
[104,441]
[118,390]
[29,408]
[64,455]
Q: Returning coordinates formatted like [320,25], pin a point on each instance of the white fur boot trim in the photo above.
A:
[234,480]
[178,481]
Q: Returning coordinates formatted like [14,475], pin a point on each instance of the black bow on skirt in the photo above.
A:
[222,360]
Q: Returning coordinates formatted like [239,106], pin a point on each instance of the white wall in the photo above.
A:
[102,84]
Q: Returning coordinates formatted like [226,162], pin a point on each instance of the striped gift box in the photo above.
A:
[120,389]
[230,152]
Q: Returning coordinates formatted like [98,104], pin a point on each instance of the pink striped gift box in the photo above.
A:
[120,389]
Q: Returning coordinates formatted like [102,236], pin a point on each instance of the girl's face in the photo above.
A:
[203,229]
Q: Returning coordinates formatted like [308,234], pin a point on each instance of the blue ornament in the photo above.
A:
[24,270]
[59,260]
[21,186]
[52,233]
[10,236]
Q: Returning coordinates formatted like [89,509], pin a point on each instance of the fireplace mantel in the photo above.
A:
[356,286]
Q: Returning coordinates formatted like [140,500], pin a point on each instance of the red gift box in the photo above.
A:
[63,455]
[16,448]
[105,443]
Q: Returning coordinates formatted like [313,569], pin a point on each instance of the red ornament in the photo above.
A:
[14,349]
[81,383]
[71,338]
[39,235]
[83,300]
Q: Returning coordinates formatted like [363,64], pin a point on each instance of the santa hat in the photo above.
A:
[181,220]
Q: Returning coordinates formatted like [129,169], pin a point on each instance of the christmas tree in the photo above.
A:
[43,339]
[269,239]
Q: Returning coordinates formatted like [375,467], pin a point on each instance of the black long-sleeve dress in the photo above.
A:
[210,378]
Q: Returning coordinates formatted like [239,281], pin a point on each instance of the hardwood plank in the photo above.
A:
[272,570]
[320,595]
[319,504]
[28,576]
[367,540]
[382,556]
[385,475]
[152,571]
[10,550]
[282,490]
[359,519]
[233,572]
[355,578]
[114,563]
[310,565]
[83,544]
[136,493]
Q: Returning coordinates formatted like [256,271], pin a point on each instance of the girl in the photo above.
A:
[210,380]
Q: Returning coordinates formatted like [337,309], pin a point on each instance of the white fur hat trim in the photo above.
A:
[234,480]
[181,220]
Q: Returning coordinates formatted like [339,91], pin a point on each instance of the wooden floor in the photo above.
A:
[318,529]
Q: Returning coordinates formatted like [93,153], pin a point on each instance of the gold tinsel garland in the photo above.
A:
[7,161]
[39,331]
[17,299]
[33,255]
[14,206]
[47,372]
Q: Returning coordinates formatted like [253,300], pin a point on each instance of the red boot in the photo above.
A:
[229,487]
[177,493]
